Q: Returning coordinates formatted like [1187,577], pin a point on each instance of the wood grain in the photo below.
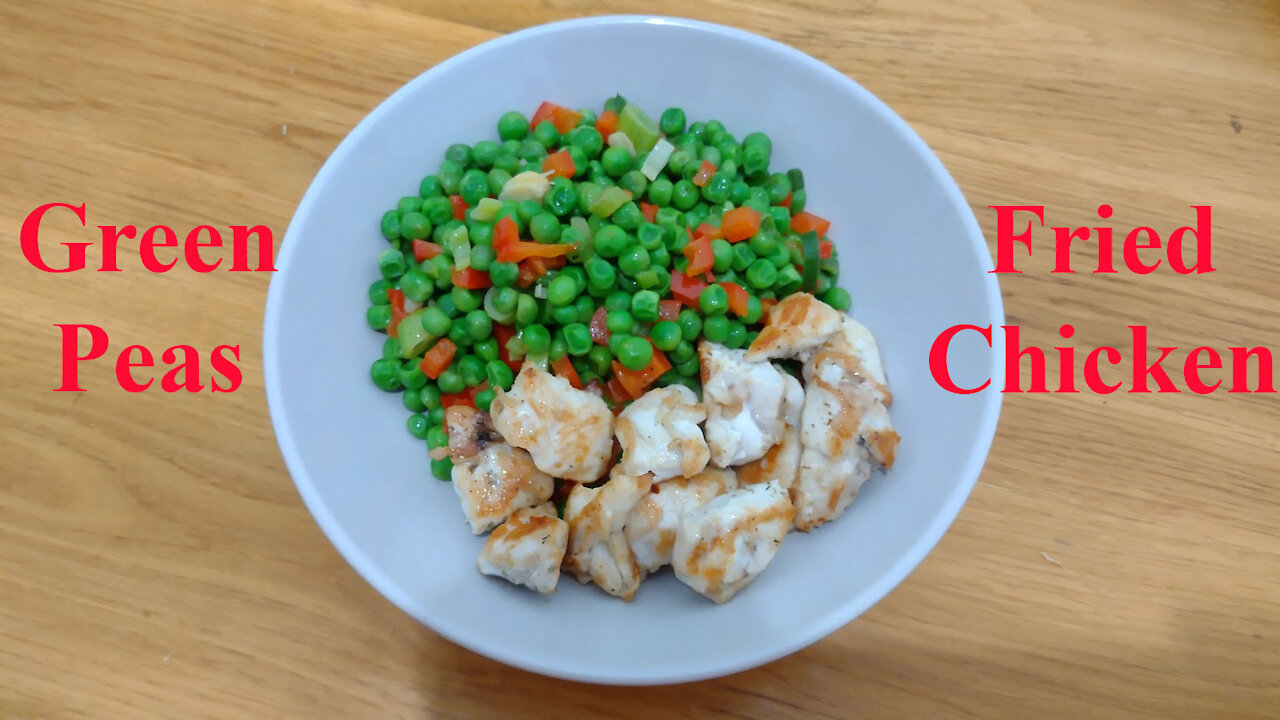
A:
[1119,557]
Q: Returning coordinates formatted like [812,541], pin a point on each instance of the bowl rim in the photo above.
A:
[819,627]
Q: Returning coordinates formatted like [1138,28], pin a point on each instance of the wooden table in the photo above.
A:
[1117,559]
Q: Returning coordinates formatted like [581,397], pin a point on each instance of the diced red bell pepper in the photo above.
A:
[466,397]
[767,304]
[740,223]
[709,231]
[636,382]
[650,212]
[803,222]
[786,202]
[564,368]
[825,248]
[686,289]
[508,247]
[705,171]
[503,334]
[562,117]
[397,311]
[459,207]
[423,250]
[738,298]
[607,123]
[668,309]
[599,332]
[701,259]
[438,358]
[614,390]
[560,164]
[470,278]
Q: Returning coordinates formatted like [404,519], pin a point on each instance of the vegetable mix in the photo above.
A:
[599,245]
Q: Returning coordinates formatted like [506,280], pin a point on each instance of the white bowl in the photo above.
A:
[912,256]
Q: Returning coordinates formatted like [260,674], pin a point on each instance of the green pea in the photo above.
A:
[526,210]
[435,322]
[778,187]
[442,469]
[450,381]
[761,274]
[430,187]
[430,396]
[635,353]
[616,161]
[647,279]
[411,376]
[671,122]
[466,300]
[690,324]
[688,368]
[497,178]
[619,321]
[450,174]
[545,228]
[558,348]
[683,351]
[385,374]
[634,261]
[446,305]
[505,300]
[475,186]
[546,134]
[414,225]
[598,359]
[739,191]
[436,436]
[710,154]
[718,187]
[650,236]
[788,279]
[684,195]
[391,263]
[587,193]
[588,139]
[507,162]
[660,191]
[484,399]
[391,225]
[526,309]
[586,307]
[634,182]
[615,341]
[577,338]
[378,316]
[459,335]
[562,291]
[610,241]
[378,292]
[479,325]
[536,339]
[560,200]
[722,252]
[391,348]
[679,160]
[716,328]
[486,349]
[513,126]
[798,198]
[618,301]
[645,306]
[482,257]
[742,257]
[503,274]
[780,257]
[737,335]
[472,369]
[838,298]
[436,416]
[532,152]
[661,258]
[499,374]
[484,153]
[438,210]
[600,273]
[628,216]
[762,244]
[696,130]
[418,425]
[666,335]
[714,300]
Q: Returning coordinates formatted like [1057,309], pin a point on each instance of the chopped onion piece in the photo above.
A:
[528,185]
[619,139]
[657,159]
[411,305]
[540,291]
[579,223]
[486,210]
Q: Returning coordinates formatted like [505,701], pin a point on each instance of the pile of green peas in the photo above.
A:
[623,262]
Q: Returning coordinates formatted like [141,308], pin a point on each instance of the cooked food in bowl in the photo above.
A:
[623,342]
